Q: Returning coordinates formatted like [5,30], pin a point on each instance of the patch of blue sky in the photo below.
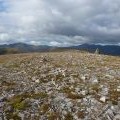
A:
[2,6]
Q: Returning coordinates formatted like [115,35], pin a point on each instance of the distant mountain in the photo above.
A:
[106,49]
[22,48]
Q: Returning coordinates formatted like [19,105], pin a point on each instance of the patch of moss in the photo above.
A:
[59,77]
[81,114]
[95,87]
[18,103]
[66,90]
[68,116]
[44,108]
[13,116]
[53,116]
[114,95]
[38,95]
[15,65]
[6,83]
[74,96]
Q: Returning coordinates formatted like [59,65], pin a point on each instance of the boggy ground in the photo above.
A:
[59,86]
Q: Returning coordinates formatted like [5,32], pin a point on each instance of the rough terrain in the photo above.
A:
[59,86]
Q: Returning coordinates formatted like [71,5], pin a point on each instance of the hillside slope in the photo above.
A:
[60,85]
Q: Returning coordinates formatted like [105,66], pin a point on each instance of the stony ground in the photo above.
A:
[59,86]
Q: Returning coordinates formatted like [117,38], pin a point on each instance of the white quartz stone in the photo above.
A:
[103,99]
[95,80]
[118,89]
[37,81]
[83,77]
[84,92]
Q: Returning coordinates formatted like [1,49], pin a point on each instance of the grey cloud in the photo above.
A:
[60,22]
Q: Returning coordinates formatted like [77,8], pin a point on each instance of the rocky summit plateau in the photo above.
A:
[70,85]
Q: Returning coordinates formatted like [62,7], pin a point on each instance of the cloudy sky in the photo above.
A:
[60,22]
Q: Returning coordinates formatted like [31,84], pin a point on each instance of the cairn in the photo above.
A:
[97,51]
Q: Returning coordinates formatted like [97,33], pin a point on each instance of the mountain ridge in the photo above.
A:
[23,48]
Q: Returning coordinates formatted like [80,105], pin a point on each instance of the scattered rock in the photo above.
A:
[103,99]
[59,86]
